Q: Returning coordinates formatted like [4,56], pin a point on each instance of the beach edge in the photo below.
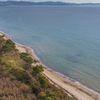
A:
[71,86]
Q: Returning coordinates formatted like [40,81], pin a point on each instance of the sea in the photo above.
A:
[65,38]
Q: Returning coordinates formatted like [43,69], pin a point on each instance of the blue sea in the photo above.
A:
[65,38]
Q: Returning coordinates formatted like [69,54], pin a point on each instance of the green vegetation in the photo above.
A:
[43,82]
[37,69]
[35,61]
[19,83]
[20,75]
[26,57]
[12,60]
[9,45]
[2,42]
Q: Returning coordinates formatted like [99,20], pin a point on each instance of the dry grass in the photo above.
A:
[14,90]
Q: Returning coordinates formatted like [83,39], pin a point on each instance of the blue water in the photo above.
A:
[66,39]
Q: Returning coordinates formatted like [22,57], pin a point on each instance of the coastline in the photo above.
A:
[74,88]
[71,86]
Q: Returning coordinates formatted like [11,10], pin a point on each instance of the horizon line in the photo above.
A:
[50,1]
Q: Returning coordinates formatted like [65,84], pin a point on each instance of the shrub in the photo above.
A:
[43,96]
[26,57]
[9,45]
[35,61]
[38,69]
[2,42]
[35,88]
[20,75]
[43,82]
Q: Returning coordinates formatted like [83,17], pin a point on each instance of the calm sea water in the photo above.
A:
[66,39]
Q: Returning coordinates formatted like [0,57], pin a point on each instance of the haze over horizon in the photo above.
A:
[67,1]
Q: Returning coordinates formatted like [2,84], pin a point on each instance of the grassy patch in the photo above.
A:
[12,61]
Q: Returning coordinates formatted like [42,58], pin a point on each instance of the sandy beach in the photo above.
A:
[69,85]
[72,87]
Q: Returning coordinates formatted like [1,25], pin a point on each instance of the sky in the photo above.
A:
[72,1]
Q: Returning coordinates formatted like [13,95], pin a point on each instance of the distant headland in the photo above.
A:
[49,3]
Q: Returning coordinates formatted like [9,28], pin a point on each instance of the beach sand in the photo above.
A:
[72,87]
[67,84]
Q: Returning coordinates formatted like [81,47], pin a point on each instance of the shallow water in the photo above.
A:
[66,39]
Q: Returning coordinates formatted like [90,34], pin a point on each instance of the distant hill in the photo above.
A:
[25,3]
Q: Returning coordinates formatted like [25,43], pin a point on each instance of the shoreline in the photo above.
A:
[69,85]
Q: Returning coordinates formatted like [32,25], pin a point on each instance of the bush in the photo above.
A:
[35,88]
[26,57]
[20,75]
[9,45]
[35,61]
[43,96]
[38,69]
[2,42]
[43,82]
